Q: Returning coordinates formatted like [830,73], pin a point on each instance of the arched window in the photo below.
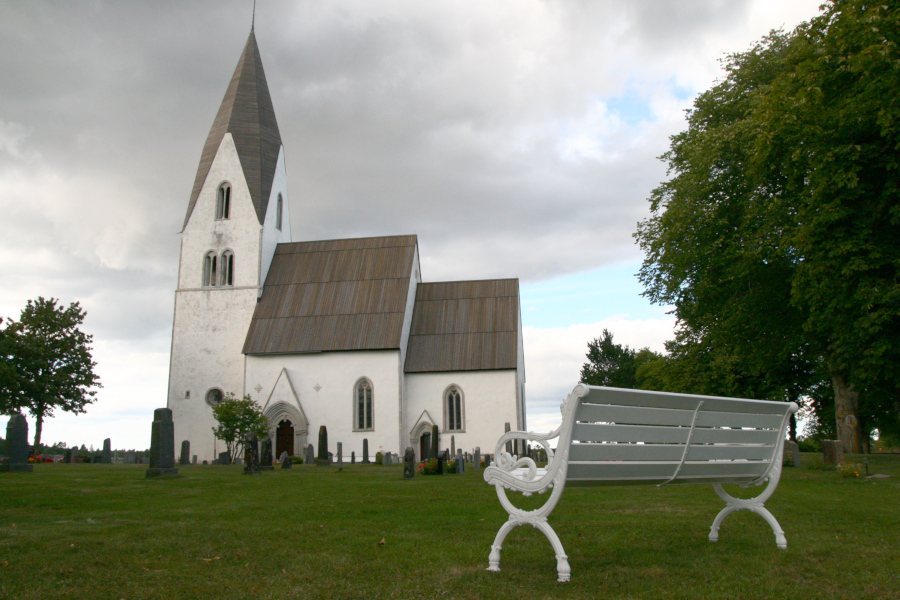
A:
[227,268]
[214,396]
[223,201]
[454,409]
[209,270]
[362,406]
[278,213]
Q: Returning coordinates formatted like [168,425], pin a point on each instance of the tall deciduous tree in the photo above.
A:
[777,237]
[238,417]
[48,362]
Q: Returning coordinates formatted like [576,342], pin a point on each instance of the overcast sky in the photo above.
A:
[516,138]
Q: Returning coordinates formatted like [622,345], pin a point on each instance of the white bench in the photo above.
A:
[612,436]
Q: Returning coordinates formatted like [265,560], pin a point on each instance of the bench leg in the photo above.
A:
[562,561]
[755,505]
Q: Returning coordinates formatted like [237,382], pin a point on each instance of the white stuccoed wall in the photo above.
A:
[271,237]
[490,401]
[210,324]
[336,373]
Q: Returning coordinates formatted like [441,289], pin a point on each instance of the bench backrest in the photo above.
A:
[621,436]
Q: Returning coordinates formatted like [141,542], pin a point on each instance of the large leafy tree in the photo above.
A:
[48,363]
[238,417]
[776,238]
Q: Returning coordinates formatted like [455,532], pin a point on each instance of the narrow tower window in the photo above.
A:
[209,270]
[363,405]
[223,202]
[453,407]
[278,213]
[227,268]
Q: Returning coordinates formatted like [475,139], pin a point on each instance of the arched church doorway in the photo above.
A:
[425,446]
[284,438]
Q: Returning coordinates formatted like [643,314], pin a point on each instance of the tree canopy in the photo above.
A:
[47,362]
[777,237]
[238,417]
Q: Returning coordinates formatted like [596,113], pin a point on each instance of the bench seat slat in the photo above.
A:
[656,452]
[600,432]
[638,415]
[644,398]
[693,472]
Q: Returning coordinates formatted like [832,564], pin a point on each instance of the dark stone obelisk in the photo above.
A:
[409,463]
[17,446]
[365,459]
[265,457]
[106,455]
[162,444]
[185,458]
[322,459]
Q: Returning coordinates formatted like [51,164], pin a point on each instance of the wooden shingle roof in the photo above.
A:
[333,295]
[247,114]
[464,326]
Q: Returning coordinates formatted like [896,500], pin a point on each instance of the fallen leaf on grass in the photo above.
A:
[381,543]
[14,526]
[4,564]
[209,560]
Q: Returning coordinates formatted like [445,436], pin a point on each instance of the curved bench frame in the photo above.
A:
[522,475]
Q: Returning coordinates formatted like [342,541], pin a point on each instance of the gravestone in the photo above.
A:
[340,453]
[792,453]
[322,459]
[265,459]
[129,457]
[395,459]
[832,452]
[194,459]
[310,457]
[286,461]
[440,465]
[185,453]
[215,461]
[476,461]
[162,444]
[365,459]
[452,445]
[68,457]
[205,463]
[434,442]
[17,446]
[508,444]
[460,463]
[386,459]
[409,463]
[238,461]
[487,460]
[96,459]
[224,458]
[106,455]
[251,455]
[353,457]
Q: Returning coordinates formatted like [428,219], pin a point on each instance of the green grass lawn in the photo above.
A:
[105,531]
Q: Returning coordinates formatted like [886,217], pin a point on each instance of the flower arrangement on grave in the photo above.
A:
[428,467]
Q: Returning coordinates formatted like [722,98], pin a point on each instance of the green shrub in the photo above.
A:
[379,458]
[849,469]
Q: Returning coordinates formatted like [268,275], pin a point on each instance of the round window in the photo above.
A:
[214,396]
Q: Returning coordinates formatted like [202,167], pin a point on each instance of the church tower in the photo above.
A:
[237,214]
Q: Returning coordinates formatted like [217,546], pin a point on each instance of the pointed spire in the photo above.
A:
[247,114]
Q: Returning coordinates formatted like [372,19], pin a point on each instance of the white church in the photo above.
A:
[342,333]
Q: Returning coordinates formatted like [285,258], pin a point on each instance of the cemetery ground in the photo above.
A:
[106,531]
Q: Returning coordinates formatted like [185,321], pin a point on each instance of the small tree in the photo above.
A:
[47,362]
[609,364]
[237,418]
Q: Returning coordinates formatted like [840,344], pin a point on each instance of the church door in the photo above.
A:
[425,446]
[284,438]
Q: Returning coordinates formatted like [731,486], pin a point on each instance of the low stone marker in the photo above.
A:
[206,463]
[386,459]
[476,462]
[792,453]
[162,444]
[353,457]
[185,453]
[129,458]
[17,446]
[287,462]
[224,458]
[365,459]
[322,459]
[409,463]
[265,458]
[68,457]
[251,455]
[106,455]
[310,457]
[194,459]
[832,452]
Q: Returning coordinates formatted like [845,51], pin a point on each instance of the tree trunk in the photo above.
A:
[846,408]
[38,426]
[792,427]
